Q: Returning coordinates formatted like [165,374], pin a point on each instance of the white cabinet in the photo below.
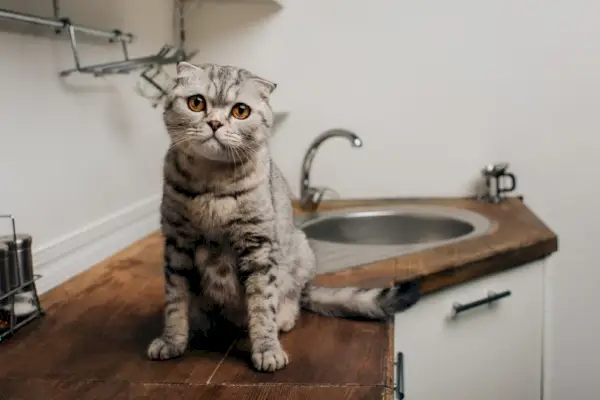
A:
[490,352]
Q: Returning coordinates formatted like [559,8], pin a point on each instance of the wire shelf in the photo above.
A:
[167,54]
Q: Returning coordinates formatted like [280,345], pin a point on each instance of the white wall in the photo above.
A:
[81,156]
[437,89]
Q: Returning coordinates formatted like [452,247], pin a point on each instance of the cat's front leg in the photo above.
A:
[178,267]
[262,299]
[259,275]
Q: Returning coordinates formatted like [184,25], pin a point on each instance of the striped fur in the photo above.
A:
[232,251]
[378,304]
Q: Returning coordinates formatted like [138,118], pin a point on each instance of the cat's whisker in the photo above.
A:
[249,153]
[246,156]
[231,151]
[241,158]
[177,144]
[179,141]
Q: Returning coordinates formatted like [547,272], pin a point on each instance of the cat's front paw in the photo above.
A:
[270,360]
[162,349]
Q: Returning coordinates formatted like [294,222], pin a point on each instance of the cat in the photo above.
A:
[231,249]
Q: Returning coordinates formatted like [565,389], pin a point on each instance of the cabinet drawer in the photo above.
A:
[490,351]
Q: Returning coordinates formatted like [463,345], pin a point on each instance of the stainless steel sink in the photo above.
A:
[386,227]
[345,239]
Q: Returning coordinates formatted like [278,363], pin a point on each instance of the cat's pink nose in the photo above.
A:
[214,125]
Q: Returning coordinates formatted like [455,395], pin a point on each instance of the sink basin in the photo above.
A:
[350,238]
[386,228]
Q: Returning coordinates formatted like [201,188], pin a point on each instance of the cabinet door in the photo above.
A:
[489,352]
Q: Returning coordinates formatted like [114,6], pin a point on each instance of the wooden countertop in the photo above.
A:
[91,344]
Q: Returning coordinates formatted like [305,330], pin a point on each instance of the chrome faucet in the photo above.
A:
[310,197]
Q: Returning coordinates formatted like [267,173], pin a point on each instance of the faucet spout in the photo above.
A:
[310,197]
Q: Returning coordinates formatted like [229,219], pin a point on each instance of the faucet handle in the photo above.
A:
[314,195]
[322,190]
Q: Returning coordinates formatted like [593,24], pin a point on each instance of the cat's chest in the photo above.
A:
[209,212]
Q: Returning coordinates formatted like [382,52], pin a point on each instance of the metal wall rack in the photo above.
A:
[8,328]
[168,54]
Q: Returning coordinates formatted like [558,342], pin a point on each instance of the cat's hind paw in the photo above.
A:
[287,325]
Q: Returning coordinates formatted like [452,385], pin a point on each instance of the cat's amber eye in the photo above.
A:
[240,111]
[196,103]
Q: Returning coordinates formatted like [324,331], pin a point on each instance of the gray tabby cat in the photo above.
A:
[231,248]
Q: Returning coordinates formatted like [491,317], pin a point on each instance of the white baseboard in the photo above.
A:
[76,252]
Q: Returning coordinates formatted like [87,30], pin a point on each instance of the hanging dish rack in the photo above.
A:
[151,66]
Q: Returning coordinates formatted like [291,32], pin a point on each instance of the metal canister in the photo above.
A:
[20,260]
[5,285]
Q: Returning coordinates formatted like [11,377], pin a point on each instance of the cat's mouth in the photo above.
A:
[213,149]
[213,140]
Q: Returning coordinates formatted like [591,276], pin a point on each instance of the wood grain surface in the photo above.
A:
[91,344]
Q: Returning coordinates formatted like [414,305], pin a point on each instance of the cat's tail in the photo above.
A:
[354,302]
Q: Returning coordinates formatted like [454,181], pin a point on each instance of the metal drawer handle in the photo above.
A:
[491,297]
[400,376]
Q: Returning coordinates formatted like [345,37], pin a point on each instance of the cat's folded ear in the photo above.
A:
[265,86]
[186,69]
